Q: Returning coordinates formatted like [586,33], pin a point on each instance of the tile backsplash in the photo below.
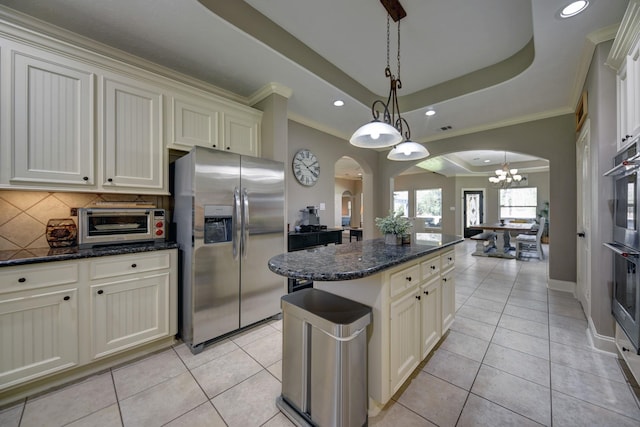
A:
[24,214]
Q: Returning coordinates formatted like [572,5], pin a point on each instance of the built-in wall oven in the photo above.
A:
[625,304]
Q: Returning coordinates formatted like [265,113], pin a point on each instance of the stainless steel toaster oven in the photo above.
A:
[108,226]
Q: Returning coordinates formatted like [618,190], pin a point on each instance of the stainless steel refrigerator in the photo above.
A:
[229,216]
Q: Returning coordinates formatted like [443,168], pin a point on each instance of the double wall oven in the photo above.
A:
[625,304]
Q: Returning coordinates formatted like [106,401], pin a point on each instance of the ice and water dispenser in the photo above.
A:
[218,223]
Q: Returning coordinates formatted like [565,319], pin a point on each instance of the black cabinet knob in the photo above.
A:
[433,267]
[625,349]
[85,178]
[67,298]
[214,145]
[22,280]
[109,179]
[581,234]
[426,292]
[228,148]
[408,278]
[444,279]
[417,297]
[134,265]
[100,292]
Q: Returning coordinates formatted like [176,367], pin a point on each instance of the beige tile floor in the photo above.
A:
[517,355]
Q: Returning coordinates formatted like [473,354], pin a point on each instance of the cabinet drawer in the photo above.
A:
[128,264]
[448,260]
[404,279]
[430,268]
[37,275]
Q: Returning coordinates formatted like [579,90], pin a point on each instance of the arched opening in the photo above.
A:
[349,194]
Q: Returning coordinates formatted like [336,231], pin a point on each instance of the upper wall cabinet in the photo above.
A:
[132,132]
[624,57]
[78,116]
[211,123]
[52,122]
[628,97]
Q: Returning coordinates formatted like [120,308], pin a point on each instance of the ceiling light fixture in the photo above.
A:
[506,176]
[574,8]
[390,131]
[430,113]
[338,103]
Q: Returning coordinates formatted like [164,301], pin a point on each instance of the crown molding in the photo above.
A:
[627,35]
[270,89]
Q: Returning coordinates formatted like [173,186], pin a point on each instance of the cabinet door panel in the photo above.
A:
[53,122]
[38,334]
[430,316]
[132,136]
[195,124]
[129,312]
[241,135]
[448,300]
[405,339]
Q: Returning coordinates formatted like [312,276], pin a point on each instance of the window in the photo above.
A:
[518,203]
[401,202]
[429,207]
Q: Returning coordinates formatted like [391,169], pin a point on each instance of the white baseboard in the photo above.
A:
[561,285]
[601,343]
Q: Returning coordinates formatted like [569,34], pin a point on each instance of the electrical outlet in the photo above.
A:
[73,212]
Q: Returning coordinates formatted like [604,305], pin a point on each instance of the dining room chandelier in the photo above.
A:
[506,176]
[390,130]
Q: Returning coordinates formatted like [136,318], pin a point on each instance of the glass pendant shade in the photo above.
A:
[408,150]
[375,134]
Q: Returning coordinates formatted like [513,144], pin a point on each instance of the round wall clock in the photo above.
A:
[306,168]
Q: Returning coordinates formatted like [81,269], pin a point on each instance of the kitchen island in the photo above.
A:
[410,288]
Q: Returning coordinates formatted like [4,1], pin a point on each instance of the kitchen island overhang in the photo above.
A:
[355,260]
[410,288]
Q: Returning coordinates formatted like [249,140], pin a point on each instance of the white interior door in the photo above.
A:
[583,246]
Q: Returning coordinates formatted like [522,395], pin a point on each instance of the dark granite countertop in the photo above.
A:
[33,256]
[355,260]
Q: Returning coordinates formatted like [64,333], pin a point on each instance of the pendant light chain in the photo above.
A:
[398,50]
[388,66]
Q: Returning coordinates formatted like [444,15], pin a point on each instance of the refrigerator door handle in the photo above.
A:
[245,222]
[236,223]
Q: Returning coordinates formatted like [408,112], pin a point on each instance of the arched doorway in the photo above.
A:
[349,195]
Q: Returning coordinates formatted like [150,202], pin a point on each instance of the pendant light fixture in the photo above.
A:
[506,176]
[390,130]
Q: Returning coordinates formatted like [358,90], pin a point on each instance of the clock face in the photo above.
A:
[306,168]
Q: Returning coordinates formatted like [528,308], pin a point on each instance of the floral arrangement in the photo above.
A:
[395,223]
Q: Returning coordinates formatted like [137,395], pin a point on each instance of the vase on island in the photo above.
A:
[392,239]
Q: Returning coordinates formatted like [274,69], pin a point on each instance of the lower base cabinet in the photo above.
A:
[38,334]
[56,316]
[413,307]
[129,312]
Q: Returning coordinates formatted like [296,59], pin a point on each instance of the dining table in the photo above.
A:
[503,237]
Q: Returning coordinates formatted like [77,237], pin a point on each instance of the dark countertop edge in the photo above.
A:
[358,274]
[76,253]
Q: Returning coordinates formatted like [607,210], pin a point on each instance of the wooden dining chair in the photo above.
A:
[531,242]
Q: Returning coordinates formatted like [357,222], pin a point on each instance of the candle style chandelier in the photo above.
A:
[392,130]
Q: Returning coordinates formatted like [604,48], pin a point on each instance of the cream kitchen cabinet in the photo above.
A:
[448,290]
[430,316]
[132,136]
[628,97]
[130,301]
[208,122]
[38,321]
[405,337]
[52,108]
[413,305]
[65,319]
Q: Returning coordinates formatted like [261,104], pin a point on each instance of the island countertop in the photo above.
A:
[355,260]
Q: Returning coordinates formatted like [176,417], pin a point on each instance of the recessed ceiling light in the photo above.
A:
[430,113]
[487,161]
[338,103]
[574,8]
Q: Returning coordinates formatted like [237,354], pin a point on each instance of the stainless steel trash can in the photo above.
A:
[324,359]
